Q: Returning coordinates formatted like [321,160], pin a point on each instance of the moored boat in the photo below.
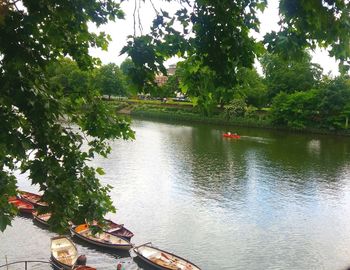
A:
[42,218]
[102,239]
[117,230]
[22,206]
[32,198]
[64,254]
[162,259]
[232,136]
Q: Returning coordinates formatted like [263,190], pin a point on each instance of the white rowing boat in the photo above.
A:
[162,259]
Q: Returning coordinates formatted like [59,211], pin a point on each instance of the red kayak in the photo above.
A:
[22,206]
[232,136]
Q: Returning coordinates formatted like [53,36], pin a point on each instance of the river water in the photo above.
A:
[271,200]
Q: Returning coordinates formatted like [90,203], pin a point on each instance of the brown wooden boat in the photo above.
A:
[64,254]
[42,218]
[32,198]
[22,206]
[162,259]
[117,229]
[102,239]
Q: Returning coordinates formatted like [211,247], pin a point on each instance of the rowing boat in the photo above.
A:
[32,198]
[42,218]
[22,206]
[117,229]
[162,259]
[102,239]
[64,254]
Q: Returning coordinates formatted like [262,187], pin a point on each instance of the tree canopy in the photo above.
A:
[290,75]
[36,134]
[36,118]
[110,80]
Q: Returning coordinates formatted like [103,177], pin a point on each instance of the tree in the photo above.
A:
[65,76]
[219,40]
[290,75]
[110,80]
[171,87]
[251,86]
[220,44]
[307,24]
[34,138]
[326,107]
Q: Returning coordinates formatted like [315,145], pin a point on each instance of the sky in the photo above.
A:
[120,29]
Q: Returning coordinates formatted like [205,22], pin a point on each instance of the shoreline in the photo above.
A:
[186,113]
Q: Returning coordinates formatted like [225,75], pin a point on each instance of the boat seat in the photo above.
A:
[60,248]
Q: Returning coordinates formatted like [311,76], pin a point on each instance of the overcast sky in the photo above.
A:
[122,28]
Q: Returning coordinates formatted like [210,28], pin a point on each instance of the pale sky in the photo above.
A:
[122,28]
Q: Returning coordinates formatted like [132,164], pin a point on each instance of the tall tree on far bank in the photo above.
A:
[251,86]
[110,81]
[286,75]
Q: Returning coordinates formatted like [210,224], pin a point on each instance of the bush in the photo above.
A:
[236,108]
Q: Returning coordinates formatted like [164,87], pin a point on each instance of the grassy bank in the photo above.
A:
[186,112]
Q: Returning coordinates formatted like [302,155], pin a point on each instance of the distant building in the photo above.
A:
[171,70]
[161,79]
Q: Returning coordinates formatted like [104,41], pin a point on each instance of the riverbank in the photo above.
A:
[180,111]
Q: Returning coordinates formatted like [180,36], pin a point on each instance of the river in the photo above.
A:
[270,200]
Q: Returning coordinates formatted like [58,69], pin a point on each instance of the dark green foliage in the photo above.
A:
[289,75]
[219,47]
[33,110]
[324,108]
[306,24]
[110,80]
[252,87]
[171,87]
[334,103]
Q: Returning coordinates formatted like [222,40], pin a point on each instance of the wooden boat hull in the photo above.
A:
[32,198]
[42,219]
[123,245]
[22,206]
[175,262]
[118,230]
[64,245]
[68,257]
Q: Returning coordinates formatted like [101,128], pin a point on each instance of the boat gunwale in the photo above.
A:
[102,244]
[38,219]
[114,232]
[36,203]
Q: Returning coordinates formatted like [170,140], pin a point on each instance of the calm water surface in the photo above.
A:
[271,200]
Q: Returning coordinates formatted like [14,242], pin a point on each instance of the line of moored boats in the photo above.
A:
[64,254]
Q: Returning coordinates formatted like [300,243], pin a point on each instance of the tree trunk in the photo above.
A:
[346,122]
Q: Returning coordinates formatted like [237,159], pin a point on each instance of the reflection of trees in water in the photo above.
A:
[216,166]
[307,163]
[288,164]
